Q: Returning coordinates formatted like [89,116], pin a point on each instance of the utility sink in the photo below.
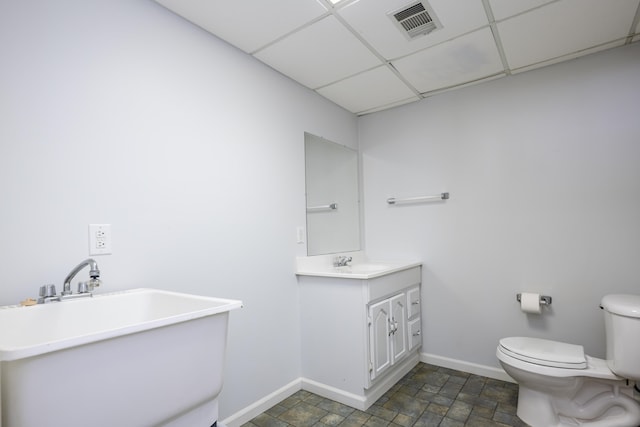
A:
[135,358]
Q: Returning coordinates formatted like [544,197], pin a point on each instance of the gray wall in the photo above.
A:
[117,111]
[544,174]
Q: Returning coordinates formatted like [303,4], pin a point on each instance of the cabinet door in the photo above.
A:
[399,327]
[379,338]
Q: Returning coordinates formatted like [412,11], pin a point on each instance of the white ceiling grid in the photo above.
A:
[353,54]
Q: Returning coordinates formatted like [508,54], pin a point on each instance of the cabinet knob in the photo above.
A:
[416,334]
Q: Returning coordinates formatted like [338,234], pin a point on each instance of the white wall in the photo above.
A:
[544,174]
[117,111]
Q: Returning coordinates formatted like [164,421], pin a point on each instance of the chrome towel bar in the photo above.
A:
[329,207]
[441,196]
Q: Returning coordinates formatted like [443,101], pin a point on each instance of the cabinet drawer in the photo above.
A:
[415,334]
[413,302]
[382,287]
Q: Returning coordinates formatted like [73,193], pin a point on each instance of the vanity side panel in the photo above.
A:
[333,324]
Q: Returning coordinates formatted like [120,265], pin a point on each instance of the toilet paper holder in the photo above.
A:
[544,299]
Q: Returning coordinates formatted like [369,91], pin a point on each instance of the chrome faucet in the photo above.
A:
[83,287]
[341,261]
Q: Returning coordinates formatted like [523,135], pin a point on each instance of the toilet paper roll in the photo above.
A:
[530,303]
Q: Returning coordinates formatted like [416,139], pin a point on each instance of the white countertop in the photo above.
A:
[359,268]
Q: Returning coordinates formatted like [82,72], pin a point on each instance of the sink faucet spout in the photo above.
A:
[94,273]
[341,261]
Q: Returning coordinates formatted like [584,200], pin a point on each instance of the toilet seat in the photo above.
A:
[545,352]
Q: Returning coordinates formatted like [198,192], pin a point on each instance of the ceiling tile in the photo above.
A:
[355,94]
[505,8]
[569,56]
[369,18]
[550,31]
[247,24]
[462,60]
[319,54]
[340,50]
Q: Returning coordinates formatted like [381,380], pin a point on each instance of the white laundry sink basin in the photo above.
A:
[139,357]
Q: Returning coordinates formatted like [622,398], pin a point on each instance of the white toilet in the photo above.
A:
[561,386]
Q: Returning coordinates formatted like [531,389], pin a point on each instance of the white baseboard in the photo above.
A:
[255,409]
[461,365]
[353,400]
[334,394]
[362,402]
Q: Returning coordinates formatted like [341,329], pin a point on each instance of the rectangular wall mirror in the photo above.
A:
[332,196]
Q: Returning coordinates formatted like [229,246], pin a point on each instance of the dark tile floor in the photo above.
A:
[428,396]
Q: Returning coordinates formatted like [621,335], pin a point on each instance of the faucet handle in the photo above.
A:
[83,287]
[88,286]
[47,291]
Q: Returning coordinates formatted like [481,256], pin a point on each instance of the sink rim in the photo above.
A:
[14,345]
[365,267]
[361,275]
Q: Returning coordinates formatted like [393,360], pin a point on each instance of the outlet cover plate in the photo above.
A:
[99,239]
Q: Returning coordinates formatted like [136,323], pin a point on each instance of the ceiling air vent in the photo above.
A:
[415,19]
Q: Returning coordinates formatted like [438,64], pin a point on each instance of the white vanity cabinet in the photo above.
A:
[357,334]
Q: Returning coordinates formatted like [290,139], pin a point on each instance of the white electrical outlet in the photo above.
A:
[99,239]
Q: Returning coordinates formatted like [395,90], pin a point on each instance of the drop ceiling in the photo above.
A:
[353,53]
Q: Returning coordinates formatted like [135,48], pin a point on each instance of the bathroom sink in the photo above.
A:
[359,266]
[365,268]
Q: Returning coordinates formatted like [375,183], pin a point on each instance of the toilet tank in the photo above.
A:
[622,326]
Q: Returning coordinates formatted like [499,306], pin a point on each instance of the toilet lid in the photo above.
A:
[545,352]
